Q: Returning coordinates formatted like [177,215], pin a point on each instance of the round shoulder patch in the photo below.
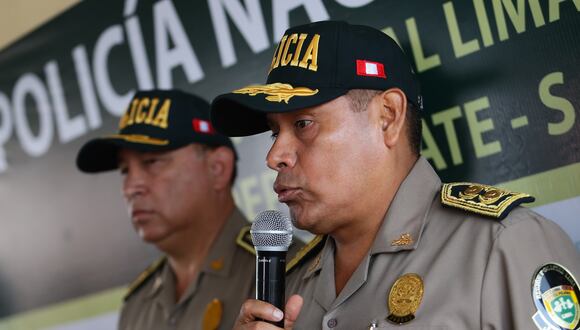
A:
[555,293]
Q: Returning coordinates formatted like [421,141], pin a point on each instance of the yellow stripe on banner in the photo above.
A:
[71,310]
[550,186]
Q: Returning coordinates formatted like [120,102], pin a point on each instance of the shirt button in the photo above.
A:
[332,323]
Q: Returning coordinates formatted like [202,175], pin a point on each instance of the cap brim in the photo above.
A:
[244,113]
[101,154]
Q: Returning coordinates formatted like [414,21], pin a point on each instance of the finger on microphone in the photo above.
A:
[293,307]
[253,310]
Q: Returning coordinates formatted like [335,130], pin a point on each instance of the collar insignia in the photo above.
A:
[405,240]
[217,264]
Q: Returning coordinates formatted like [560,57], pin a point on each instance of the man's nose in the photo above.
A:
[134,182]
[282,154]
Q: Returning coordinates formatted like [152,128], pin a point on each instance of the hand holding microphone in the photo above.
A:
[271,236]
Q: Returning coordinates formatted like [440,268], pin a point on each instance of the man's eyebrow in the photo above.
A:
[121,163]
[271,124]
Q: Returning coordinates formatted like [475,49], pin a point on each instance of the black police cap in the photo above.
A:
[313,64]
[155,120]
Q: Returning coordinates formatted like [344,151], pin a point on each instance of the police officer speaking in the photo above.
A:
[396,247]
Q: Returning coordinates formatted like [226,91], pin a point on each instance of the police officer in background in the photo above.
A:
[396,248]
[177,174]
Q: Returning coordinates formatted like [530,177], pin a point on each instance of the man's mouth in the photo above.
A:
[286,193]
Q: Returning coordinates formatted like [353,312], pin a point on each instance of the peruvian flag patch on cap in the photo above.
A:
[370,69]
[202,126]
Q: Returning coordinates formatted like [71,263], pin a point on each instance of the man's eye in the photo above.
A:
[123,170]
[274,135]
[150,161]
[303,123]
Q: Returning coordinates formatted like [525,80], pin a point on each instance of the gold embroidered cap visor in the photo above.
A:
[313,64]
[156,120]
[240,114]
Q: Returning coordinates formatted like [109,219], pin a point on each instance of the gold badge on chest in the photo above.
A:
[404,298]
[213,315]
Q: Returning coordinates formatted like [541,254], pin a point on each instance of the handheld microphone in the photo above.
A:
[271,235]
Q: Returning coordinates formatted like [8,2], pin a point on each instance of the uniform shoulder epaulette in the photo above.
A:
[144,276]
[244,240]
[482,199]
[308,250]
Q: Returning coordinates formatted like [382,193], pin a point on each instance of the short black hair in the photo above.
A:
[359,99]
[205,147]
[414,127]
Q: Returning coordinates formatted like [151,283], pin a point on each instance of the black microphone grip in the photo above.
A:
[270,279]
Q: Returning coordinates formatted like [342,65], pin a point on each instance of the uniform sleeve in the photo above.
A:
[123,324]
[526,242]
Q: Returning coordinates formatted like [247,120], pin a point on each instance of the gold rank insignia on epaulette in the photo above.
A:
[310,249]
[244,240]
[142,278]
[482,199]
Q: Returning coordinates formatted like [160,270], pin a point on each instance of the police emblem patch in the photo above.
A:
[404,298]
[555,293]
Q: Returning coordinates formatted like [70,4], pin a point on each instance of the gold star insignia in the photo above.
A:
[217,264]
[404,240]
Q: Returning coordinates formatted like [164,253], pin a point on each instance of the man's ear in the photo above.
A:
[221,166]
[392,116]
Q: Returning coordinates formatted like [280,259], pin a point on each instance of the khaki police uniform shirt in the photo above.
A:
[227,278]
[476,271]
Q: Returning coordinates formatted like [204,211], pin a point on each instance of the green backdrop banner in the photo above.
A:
[500,83]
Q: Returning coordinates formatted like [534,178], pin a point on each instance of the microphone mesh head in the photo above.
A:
[271,231]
